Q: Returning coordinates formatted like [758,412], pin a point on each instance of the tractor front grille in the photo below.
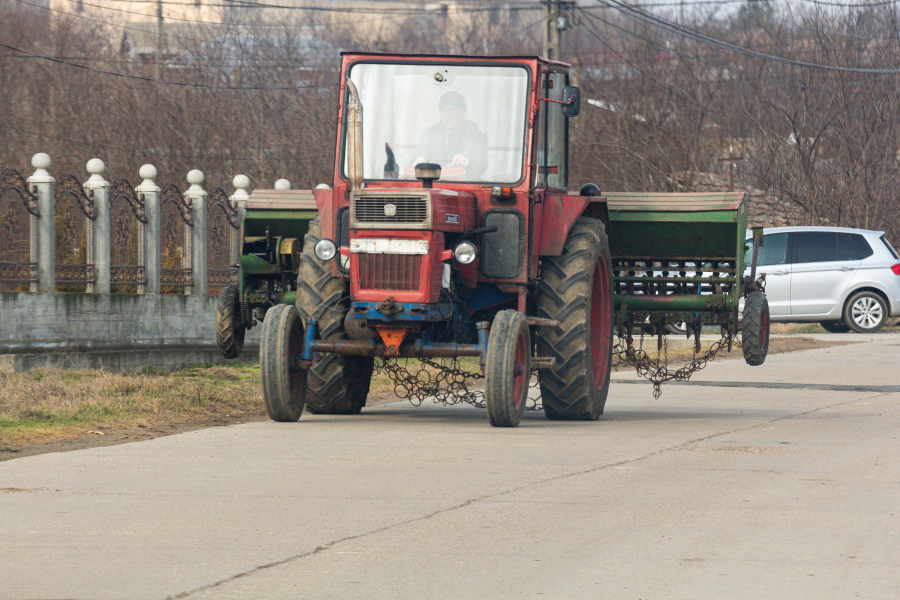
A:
[397,272]
[367,211]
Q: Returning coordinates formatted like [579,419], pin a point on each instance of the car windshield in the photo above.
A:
[468,119]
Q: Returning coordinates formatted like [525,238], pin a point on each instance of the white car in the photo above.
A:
[841,278]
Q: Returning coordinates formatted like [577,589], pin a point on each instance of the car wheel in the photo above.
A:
[865,312]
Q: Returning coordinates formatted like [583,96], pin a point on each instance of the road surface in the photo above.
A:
[727,489]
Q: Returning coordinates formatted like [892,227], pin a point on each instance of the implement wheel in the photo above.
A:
[338,384]
[507,369]
[230,323]
[755,329]
[284,384]
[576,290]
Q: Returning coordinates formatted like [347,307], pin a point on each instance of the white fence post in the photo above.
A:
[101,226]
[46,235]
[197,197]
[152,232]
[240,197]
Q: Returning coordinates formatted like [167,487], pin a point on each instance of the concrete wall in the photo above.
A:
[118,332]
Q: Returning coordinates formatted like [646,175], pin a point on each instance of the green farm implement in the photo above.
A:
[679,265]
[272,233]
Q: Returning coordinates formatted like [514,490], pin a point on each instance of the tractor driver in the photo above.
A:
[454,141]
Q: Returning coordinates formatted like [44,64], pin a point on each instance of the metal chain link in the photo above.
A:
[656,370]
[447,386]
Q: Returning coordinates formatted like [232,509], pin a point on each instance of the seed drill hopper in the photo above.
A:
[679,265]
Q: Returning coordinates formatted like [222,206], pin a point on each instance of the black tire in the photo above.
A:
[572,287]
[679,328]
[284,385]
[230,323]
[507,369]
[865,312]
[338,384]
[834,326]
[755,329]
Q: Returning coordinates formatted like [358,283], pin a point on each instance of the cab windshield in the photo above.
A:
[468,119]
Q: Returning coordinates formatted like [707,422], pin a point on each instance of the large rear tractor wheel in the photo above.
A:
[338,384]
[230,323]
[576,290]
[755,329]
[507,369]
[284,383]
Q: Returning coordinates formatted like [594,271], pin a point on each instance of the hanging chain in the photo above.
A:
[656,370]
[447,384]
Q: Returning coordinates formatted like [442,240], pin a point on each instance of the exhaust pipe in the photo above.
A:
[354,137]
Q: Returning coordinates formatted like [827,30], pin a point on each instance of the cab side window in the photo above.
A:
[774,250]
[552,133]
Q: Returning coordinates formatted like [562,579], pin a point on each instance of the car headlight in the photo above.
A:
[325,249]
[465,252]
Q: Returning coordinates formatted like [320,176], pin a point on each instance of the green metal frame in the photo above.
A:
[279,224]
[661,228]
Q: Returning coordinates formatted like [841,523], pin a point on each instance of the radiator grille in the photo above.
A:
[407,209]
[389,271]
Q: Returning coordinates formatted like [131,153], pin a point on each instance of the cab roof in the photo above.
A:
[461,57]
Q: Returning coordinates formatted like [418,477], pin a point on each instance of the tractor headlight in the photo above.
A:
[465,252]
[325,249]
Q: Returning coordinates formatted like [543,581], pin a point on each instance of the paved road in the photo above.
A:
[709,492]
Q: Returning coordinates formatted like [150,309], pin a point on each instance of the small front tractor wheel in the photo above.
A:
[755,329]
[283,382]
[230,328]
[507,369]
[576,290]
[338,384]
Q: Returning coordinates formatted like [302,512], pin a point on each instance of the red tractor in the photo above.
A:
[449,232]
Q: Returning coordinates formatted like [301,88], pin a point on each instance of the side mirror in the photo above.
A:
[571,101]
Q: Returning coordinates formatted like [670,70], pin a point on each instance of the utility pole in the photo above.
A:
[555,22]
[159,34]
[552,32]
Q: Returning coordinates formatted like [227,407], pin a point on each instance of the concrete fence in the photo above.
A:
[96,274]
[101,237]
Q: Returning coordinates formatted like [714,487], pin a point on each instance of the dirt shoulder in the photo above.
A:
[58,411]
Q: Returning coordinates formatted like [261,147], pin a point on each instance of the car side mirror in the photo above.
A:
[571,101]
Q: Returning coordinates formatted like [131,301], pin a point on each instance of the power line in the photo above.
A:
[151,80]
[468,9]
[200,22]
[852,5]
[738,75]
[250,4]
[650,19]
[159,33]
